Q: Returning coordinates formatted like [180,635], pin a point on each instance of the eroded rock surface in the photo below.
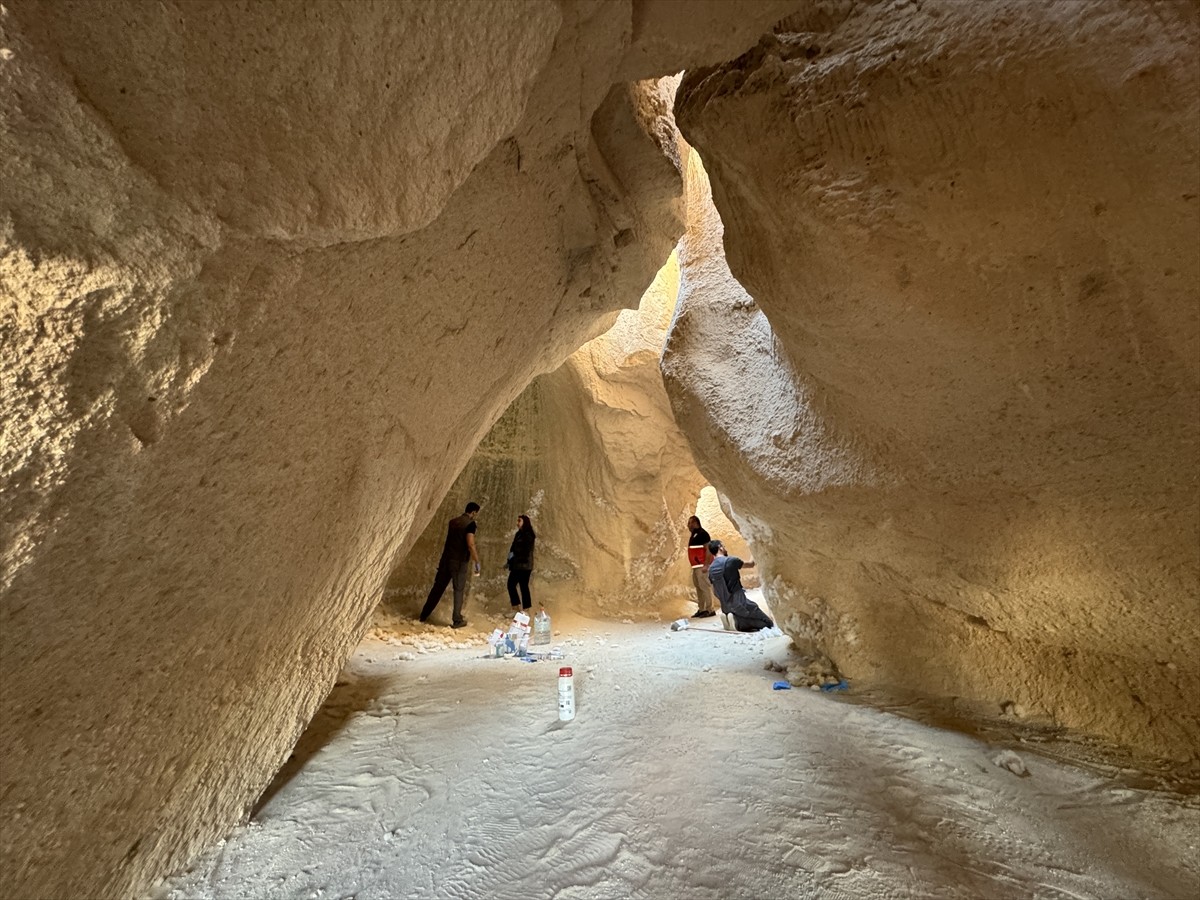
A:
[268,275]
[592,454]
[970,461]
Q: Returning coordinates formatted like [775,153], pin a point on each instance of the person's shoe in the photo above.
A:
[704,614]
[462,624]
[422,619]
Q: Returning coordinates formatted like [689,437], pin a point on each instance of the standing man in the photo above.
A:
[698,557]
[458,553]
[725,574]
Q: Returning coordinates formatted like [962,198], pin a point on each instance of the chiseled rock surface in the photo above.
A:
[592,454]
[267,275]
[965,444]
[696,32]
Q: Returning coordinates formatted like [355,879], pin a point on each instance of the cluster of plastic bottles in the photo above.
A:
[516,639]
[516,642]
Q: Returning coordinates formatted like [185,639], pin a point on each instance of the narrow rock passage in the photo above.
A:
[435,772]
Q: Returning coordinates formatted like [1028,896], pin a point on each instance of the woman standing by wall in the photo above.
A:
[520,563]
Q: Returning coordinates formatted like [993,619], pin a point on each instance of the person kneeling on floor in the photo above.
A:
[725,574]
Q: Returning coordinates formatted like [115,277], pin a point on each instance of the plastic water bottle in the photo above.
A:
[541,627]
[566,694]
[497,642]
[518,630]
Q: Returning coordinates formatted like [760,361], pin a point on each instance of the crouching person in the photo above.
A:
[725,574]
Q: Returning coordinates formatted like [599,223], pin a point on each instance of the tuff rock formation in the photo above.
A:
[592,454]
[970,458]
[267,275]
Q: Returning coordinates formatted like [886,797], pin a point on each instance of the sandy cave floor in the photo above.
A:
[435,772]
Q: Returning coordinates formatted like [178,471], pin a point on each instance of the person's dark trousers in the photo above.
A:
[519,578]
[752,619]
[448,571]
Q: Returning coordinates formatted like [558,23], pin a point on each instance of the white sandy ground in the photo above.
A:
[435,772]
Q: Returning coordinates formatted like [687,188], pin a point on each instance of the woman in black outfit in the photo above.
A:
[520,563]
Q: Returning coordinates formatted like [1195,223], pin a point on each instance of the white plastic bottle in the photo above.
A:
[497,642]
[518,629]
[566,694]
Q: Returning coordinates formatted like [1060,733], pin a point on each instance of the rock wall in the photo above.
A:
[970,463]
[592,454]
[711,510]
[267,275]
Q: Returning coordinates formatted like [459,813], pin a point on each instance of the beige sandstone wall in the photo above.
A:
[268,272]
[592,454]
[969,456]
[717,523]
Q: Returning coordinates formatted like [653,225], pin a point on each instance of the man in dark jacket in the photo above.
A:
[458,553]
[725,574]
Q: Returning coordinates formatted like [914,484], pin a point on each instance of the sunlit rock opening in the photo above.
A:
[592,454]
[283,286]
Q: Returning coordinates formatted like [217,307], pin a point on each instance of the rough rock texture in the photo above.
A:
[267,274]
[592,454]
[696,32]
[717,523]
[970,463]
